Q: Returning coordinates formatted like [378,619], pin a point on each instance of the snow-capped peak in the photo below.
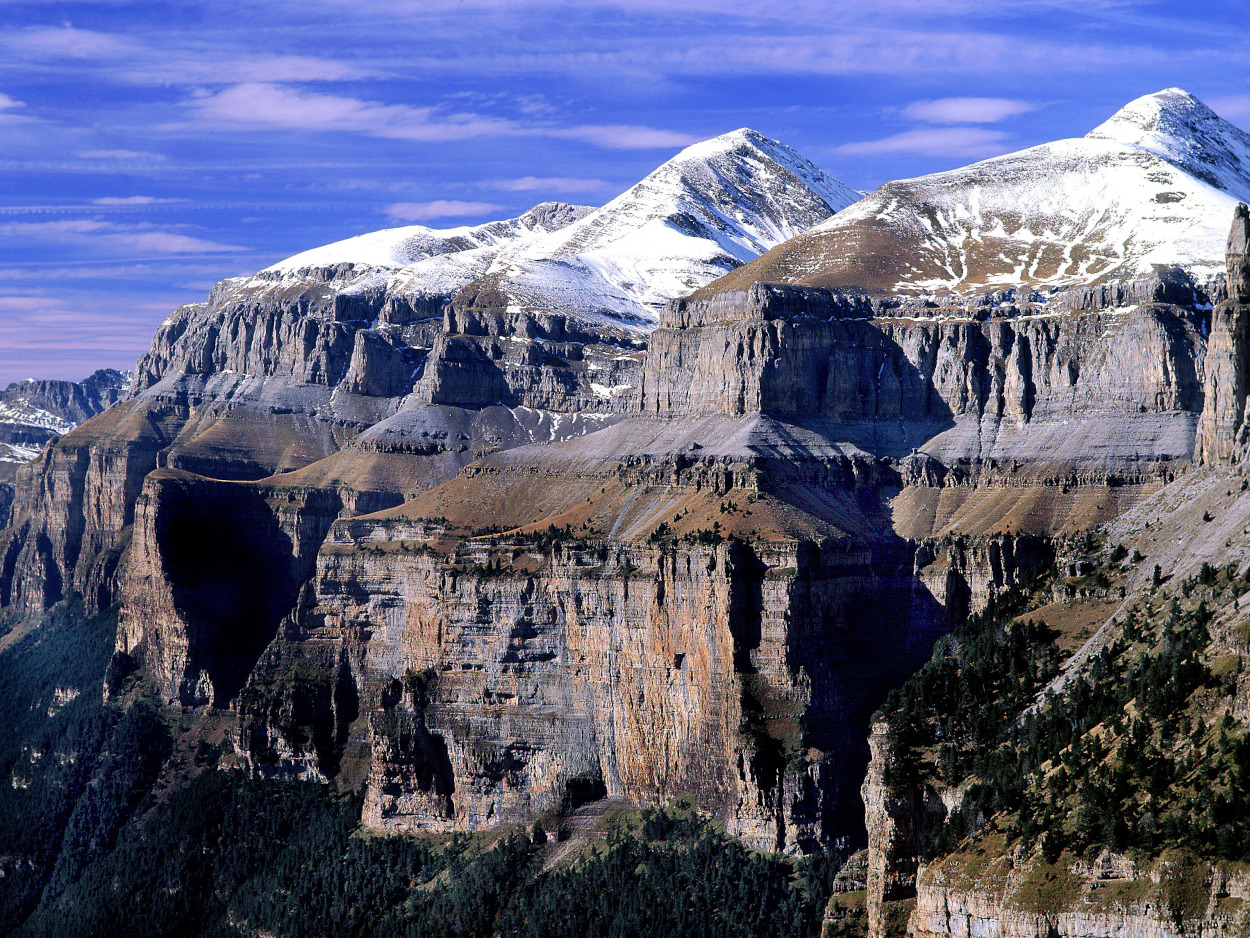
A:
[400,247]
[1153,186]
[1176,126]
[711,208]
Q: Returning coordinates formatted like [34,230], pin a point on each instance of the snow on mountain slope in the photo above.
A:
[401,247]
[713,207]
[1154,185]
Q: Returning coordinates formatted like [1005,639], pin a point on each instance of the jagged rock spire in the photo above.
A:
[1237,255]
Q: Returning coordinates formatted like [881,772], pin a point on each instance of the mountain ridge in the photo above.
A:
[1057,215]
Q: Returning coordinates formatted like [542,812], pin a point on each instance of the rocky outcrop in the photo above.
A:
[1110,896]
[1237,256]
[32,412]
[554,675]
[1173,285]
[900,814]
[1082,390]
[1223,434]
[72,401]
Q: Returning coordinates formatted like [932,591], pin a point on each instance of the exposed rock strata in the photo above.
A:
[900,816]
[1001,903]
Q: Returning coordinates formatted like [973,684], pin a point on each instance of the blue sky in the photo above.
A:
[148,150]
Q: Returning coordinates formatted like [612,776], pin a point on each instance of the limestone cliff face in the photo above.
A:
[1237,256]
[900,814]
[502,681]
[1223,434]
[394,545]
[1001,902]
[74,505]
[961,387]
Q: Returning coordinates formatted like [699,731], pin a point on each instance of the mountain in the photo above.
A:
[1152,187]
[394,248]
[710,209]
[517,320]
[360,552]
[33,411]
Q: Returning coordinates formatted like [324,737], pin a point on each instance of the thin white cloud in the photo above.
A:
[439,208]
[967,110]
[127,155]
[550,184]
[69,43]
[6,102]
[262,104]
[130,200]
[255,105]
[51,323]
[196,69]
[624,136]
[167,60]
[84,232]
[961,142]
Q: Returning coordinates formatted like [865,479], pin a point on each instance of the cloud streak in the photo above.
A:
[263,105]
[86,232]
[549,184]
[959,142]
[439,208]
[966,110]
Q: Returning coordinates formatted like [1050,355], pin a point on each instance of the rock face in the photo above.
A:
[33,412]
[1223,435]
[1237,256]
[899,820]
[719,578]
[948,906]
[492,561]
[1002,391]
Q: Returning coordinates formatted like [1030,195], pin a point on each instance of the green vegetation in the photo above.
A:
[113,821]
[72,774]
[1136,753]
[233,856]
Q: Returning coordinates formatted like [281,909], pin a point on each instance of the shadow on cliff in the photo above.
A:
[861,621]
[233,572]
[849,381]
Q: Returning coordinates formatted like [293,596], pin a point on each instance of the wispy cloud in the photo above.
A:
[123,155]
[257,105]
[66,42]
[623,136]
[550,184]
[960,142]
[439,208]
[967,110]
[264,105]
[181,61]
[130,200]
[85,232]
[70,336]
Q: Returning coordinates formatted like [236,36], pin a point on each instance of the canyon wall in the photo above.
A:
[493,564]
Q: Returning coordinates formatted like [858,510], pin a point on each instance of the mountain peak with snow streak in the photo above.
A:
[1153,186]
[711,208]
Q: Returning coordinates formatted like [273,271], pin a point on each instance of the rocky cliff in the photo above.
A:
[34,411]
[494,563]
[1000,882]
